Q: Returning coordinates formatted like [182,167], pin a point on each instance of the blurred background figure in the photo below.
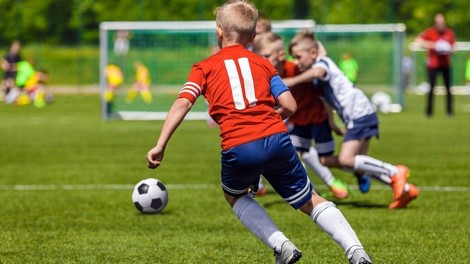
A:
[439,40]
[467,74]
[349,66]
[121,43]
[142,84]
[114,80]
[407,67]
[9,62]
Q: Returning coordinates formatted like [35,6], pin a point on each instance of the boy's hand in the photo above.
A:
[154,157]
[338,131]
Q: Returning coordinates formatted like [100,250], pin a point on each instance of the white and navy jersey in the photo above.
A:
[352,104]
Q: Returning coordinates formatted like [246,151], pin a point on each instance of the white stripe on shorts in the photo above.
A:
[232,191]
[300,195]
[326,147]
[300,142]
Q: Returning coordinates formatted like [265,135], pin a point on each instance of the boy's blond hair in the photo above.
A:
[237,18]
[266,39]
[304,38]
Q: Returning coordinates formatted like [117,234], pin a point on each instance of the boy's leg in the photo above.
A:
[378,169]
[240,177]
[336,186]
[146,96]
[331,221]
[301,137]
[255,218]
[131,94]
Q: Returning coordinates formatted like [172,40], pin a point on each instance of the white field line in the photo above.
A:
[72,187]
[203,186]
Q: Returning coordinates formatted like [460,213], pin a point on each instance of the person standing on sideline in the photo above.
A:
[439,40]
[407,66]
[467,74]
[9,62]
[243,89]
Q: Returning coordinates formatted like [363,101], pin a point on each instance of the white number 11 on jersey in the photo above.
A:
[235,84]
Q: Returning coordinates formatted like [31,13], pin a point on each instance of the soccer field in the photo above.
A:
[66,179]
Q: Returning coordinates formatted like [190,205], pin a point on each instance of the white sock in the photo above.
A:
[373,166]
[276,239]
[313,161]
[260,183]
[382,178]
[332,222]
[255,218]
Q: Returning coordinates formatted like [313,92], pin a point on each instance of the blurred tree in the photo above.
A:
[64,21]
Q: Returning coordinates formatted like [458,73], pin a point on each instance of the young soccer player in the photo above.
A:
[311,119]
[357,113]
[142,84]
[114,80]
[242,90]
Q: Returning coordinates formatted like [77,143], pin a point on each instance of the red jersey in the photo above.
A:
[310,108]
[436,60]
[237,85]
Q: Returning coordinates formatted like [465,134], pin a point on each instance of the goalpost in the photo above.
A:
[168,50]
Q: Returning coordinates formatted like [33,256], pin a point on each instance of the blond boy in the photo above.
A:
[242,90]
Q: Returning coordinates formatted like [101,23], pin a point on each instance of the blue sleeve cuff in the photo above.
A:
[277,86]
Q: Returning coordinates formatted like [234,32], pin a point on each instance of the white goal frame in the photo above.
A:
[398,31]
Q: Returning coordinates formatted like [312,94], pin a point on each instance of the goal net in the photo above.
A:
[167,50]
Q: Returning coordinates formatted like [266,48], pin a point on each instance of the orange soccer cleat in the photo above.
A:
[406,197]
[399,181]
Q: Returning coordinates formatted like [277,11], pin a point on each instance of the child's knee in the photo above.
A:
[346,160]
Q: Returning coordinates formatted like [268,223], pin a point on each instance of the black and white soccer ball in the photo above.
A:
[150,196]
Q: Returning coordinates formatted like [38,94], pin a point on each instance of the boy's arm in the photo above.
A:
[331,120]
[287,105]
[307,76]
[178,111]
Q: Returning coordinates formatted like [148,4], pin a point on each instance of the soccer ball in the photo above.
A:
[150,196]
[443,47]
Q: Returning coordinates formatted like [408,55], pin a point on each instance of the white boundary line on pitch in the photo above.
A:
[202,186]
[73,187]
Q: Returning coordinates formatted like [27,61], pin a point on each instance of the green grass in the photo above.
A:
[67,143]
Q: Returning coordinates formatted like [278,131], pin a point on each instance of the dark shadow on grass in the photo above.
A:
[357,204]
[360,204]
[339,203]
[163,213]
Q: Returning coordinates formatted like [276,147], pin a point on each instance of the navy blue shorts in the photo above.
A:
[302,136]
[358,133]
[275,158]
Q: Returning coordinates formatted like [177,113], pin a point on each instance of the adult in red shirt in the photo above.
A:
[439,40]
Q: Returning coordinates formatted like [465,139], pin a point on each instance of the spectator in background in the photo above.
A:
[9,62]
[349,66]
[467,73]
[121,43]
[406,71]
[439,40]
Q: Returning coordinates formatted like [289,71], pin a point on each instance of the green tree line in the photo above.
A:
[77,21]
